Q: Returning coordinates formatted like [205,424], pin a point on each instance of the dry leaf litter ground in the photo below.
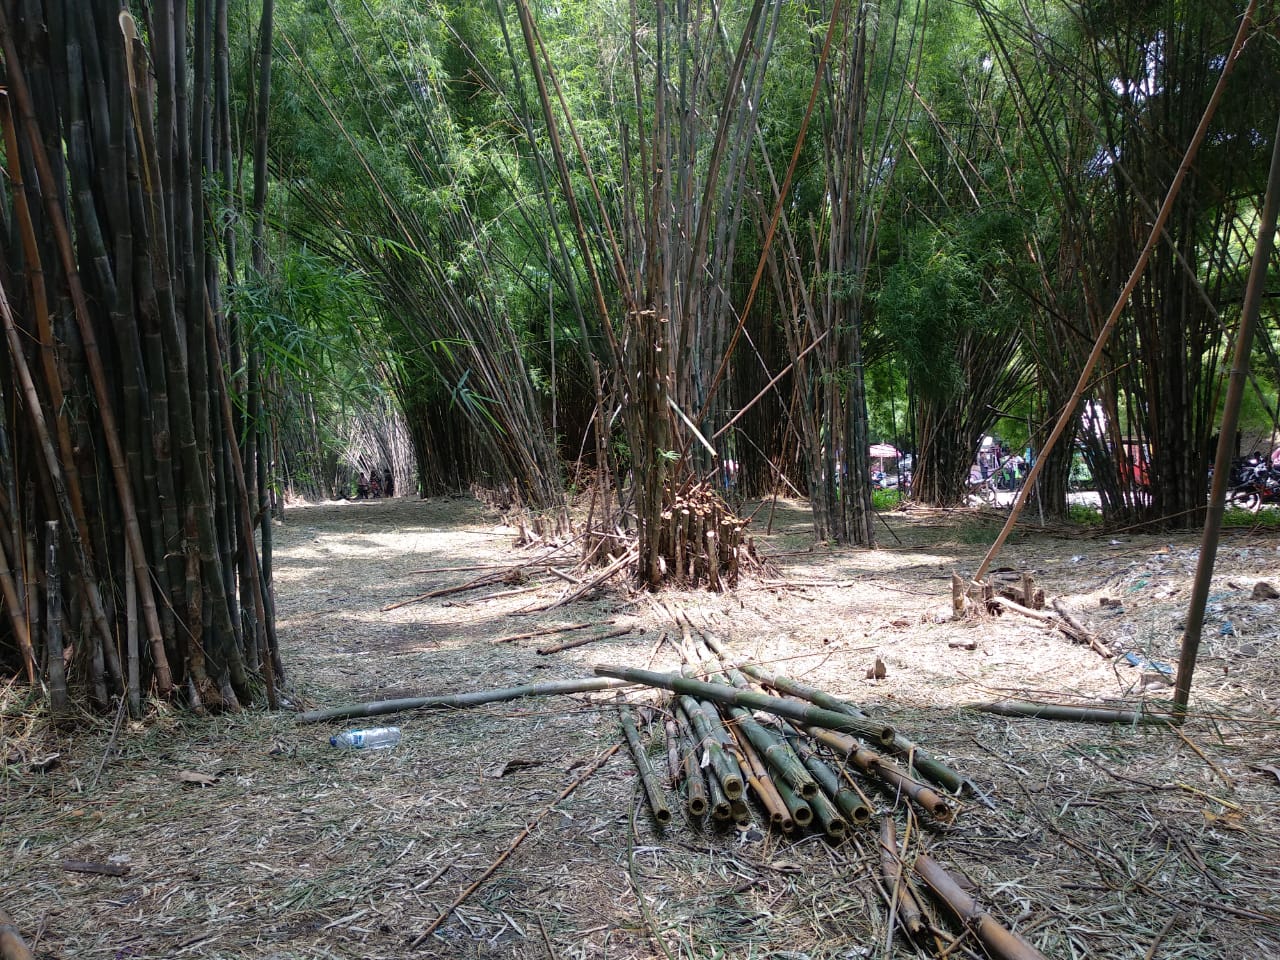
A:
[1091,841]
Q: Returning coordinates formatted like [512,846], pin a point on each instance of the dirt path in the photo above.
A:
[1099,842]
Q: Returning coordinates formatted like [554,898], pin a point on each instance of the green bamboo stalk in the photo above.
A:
[775,752]
[723,766]
[648,779]
[833,823]
[887,772]
[1054,711]
[930,767]
[701,793]
[850,803]
[719,693]
[800,812]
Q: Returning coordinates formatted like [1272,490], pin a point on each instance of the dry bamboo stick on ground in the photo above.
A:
[548,631]
[486,580]
[520,838]
[591,584]
[583,641]
[648,779]
[757,775]
[1056,711]
[475,699]
[1002,942]
[898,885]
[12,946]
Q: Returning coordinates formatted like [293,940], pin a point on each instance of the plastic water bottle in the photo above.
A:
[375,738]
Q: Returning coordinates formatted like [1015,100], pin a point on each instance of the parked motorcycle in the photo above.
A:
[1253,482]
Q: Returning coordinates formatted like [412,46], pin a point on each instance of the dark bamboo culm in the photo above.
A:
[849,800]
[886,772]
[117,338]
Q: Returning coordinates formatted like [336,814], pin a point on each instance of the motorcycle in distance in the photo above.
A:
[1253,482]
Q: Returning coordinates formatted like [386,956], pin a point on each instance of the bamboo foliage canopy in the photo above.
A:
[128,477]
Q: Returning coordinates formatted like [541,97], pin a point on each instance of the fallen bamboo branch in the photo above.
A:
[583,641]
[648,779]
[1000,941]
[520,838]
[12,946]
[475,699]
[1056,711]
[591,584]
[485,580]
[548,631]
[1064,622]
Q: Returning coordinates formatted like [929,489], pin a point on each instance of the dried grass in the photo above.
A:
[1098,842]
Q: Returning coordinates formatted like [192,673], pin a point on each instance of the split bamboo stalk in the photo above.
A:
[648,779]
[458,700]
[895,882]
[719,693]
[672,733]
[1002,942]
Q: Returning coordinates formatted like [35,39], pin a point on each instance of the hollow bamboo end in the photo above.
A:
[697,807]
[662,815]
[721,811]
[860,814]
[803,817]
[732,787]
[809,790]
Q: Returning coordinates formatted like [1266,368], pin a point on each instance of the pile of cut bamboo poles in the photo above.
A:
[701,540]
[820,765]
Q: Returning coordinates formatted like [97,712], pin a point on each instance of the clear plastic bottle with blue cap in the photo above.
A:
[375,738]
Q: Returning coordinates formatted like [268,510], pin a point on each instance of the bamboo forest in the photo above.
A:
[662,480]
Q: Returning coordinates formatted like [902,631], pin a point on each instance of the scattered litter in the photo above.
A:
[1133,660]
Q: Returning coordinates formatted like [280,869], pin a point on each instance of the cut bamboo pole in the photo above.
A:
[888,773]
[719,693]
[895,882]
[648,779]
[1056,711]
[1002,942]
[850,803]
[757,774]
[58,704]
[696,798]
[724,768]
[929,766]
[459,700]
